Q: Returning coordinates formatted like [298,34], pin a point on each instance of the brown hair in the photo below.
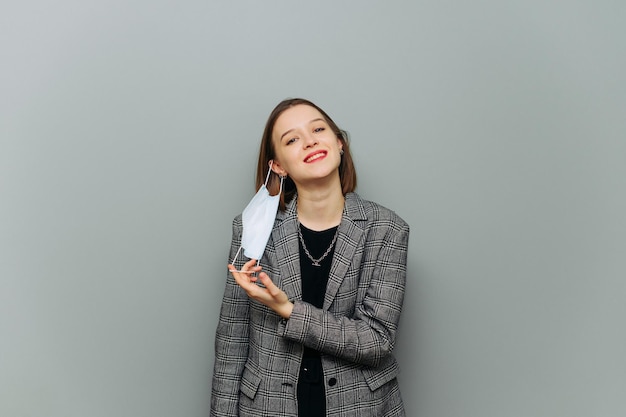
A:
[347,172]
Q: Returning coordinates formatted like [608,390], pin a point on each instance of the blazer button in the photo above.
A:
[332,382]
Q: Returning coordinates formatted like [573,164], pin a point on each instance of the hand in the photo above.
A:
[271,295]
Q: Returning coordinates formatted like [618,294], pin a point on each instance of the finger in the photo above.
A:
[249,264]
[242,278]
[269,284]
[246,269]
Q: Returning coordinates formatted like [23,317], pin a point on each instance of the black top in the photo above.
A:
[315,278]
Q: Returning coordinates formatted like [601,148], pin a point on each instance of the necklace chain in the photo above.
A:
[316,262]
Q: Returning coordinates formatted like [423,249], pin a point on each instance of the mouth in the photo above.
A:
[315,156]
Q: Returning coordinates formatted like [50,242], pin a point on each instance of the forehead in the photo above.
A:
[295,117]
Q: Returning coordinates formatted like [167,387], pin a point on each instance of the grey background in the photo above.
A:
[129,132]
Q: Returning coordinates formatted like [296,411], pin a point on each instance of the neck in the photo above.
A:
[320,209]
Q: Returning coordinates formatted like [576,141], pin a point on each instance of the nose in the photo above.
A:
[309,141]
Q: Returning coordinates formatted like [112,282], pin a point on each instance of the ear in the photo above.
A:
[340,144]
[277,168]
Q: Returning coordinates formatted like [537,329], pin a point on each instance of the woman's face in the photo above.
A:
[306,147]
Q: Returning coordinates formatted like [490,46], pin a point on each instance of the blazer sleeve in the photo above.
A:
[231,341]
[368,335]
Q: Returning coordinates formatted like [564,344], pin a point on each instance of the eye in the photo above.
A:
[290,141]
[319,129]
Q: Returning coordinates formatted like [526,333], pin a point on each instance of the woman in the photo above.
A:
[309,329]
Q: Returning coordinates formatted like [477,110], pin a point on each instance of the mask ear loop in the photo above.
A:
[236,255]
[282,178]
[280,189]
[269,171]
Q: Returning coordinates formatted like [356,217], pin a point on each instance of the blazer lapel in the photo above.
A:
[286,244]
[351,232]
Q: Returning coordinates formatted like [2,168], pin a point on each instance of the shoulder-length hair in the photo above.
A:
[347,172]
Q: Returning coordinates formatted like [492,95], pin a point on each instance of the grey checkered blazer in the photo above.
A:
[257,354]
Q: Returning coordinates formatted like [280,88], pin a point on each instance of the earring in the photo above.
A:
[341,152]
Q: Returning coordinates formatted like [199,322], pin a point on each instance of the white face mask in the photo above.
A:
[258,220]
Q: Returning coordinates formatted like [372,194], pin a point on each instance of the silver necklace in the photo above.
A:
[316,262]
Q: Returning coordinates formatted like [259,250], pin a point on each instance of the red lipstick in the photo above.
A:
[315,156]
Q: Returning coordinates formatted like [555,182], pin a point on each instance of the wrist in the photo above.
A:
[286,310]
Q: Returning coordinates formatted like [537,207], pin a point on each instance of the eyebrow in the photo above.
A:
[291,130]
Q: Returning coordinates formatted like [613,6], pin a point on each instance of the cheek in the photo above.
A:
[284,159]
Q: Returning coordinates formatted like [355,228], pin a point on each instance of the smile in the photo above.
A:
[315,156]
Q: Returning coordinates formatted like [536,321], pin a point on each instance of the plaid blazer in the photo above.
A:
[258,354]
